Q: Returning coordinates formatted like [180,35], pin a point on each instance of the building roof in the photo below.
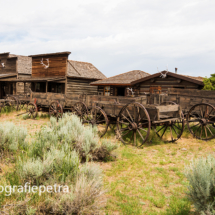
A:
[83,70]
[48,54]
[199,78]
[123,79]
[7,75]
[196,80]
[23,63]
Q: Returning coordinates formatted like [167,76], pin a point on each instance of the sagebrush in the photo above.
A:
[201,176]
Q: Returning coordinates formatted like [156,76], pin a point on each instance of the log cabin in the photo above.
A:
[12,68]
[55,73]
[118,85]
[132,84]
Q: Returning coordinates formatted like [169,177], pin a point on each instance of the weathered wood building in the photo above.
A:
[155,83]
[12,68]
[118,85]
[55,73]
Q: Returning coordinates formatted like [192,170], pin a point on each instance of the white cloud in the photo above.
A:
[115,35]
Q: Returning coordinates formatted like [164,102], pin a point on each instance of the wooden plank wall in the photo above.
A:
[23,88]
[57,66]
[192,93]
[81,86]
[100,90]
[10,66]
[165,83]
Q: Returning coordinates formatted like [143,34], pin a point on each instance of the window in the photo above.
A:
[107,91]
[120,91]
[56,87]
[38,87]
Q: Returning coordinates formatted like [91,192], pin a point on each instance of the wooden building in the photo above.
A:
[118,85]
[55,73]
[156,83]
[12,68]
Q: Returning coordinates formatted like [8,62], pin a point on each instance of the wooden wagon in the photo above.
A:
[133,117]
[198,107]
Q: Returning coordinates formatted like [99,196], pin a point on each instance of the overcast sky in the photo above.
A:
[115,35]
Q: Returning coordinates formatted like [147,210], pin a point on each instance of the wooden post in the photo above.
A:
[46,87]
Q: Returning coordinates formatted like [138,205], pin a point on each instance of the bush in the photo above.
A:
[201,177]
[85,197]
[54,156]
[11,136]
[56,163]
[83,139]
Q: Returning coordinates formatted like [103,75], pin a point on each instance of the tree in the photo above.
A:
[209,83]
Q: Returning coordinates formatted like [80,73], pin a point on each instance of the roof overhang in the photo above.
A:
[109,84]
[50,54]
[80,77]
[41,79]
[7,75]
[5,53]
[171,74]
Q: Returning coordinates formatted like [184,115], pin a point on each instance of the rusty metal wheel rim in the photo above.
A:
[133,124]
[201,120]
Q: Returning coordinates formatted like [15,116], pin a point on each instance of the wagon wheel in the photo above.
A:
[201,121]
[32,110]
[13,102]
[168,103]
[133,124]
[170,131]
[80,109]
[97,117]
[56,110]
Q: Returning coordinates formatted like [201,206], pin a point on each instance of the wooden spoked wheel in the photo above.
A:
[12,102]
[79,109]
[170,131]
[56,110]
[32,110]
[97,117]
[133,124]
[201,121]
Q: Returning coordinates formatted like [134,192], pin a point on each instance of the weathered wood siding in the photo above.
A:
[10,66]
[100,90]
[81,86]
[165,83]
[57,66]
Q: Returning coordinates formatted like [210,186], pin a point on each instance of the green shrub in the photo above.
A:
[11,136]
[201,176]
[55,155]
[55,163]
